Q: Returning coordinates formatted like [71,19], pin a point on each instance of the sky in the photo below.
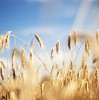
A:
[51,19]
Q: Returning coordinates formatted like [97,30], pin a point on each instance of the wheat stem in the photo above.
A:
[78,52]
[28,38]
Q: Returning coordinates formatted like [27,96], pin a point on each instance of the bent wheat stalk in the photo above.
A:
[69,41]
[39,41]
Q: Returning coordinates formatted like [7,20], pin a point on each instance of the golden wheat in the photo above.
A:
[57,47]
[39,41]
[23,55]
[31,50]
[1,42]
[75,37]
[97,36]
[7,39]
[87,46]
[63,82]
[69,41]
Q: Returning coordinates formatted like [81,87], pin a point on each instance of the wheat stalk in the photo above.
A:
[69,41]
[97,36]
[13,73]
[75,37]
[52,53]
[57,47]
[32,50]
[13,56]
[39,41]
[1,62]
[1,42]
[87,46]
[23,55]
[7,39]
[1,73]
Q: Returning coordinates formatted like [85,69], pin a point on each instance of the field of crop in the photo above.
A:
[60,83]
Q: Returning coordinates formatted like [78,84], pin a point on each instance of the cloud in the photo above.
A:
[39,29]
[82,13]
[48,34]
[59,12]
[87,16]
[55,10]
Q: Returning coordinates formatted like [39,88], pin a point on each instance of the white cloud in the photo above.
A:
[55,10]
[39,30]
[87,17]
[82,13]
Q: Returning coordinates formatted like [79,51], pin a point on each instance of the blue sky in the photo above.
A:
[51,19]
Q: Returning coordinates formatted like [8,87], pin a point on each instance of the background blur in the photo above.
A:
[51,19]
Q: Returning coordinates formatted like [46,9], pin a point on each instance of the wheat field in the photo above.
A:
[62,83]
